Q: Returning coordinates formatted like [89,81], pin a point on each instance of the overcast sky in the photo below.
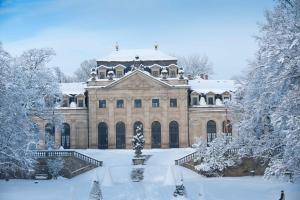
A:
[83,29]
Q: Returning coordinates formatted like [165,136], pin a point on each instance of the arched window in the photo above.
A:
[102,135]
[65,136]
[211,130]
[135,125]
[227,128]
[155,135]
[173,134]
[50,135]
[120,135]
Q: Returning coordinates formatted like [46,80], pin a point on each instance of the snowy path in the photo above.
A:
[152,187]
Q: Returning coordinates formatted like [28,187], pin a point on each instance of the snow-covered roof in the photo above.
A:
[72,88]
[216,86]
[130,54]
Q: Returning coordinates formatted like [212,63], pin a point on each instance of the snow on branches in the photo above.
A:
[138,141]
[25,84]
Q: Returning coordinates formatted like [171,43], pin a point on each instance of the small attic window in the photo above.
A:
[155,73]
[119,73]
[172,74]
[102,75]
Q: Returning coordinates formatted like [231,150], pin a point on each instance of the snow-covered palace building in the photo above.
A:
[140,87]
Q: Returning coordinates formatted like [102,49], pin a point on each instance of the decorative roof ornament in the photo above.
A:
[117,46]
[93,73]
[110,75]
[181,72]
[156,46]
[164,73]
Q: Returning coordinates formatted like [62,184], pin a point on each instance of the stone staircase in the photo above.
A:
[75,163]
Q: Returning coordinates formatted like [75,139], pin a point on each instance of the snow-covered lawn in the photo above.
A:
[152,187]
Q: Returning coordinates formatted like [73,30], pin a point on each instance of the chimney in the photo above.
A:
[202,76]
[156,46]
[206,77]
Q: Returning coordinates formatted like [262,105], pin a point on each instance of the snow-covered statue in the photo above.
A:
[95,193]
[138,141]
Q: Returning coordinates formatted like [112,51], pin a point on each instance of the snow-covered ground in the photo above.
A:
[153,186]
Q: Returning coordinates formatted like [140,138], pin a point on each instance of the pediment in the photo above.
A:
[138,80]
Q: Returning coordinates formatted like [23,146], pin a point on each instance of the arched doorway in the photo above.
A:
[211,130]
[155,135]
[65,136]
[50,135]
[120,135]
[173,134]
[135,125]
[102,136]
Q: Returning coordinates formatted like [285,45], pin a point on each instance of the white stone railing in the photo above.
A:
[60,153]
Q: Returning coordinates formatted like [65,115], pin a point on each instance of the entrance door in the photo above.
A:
[102,136]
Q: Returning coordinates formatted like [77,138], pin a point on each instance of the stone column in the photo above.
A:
[73,134]
[164,122]
[147,124]
[41,143]
[111,124]
[93,132]
[129,123]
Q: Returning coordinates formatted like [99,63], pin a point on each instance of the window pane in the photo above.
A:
[137,103]
[195,100]
[173,102]
[80,103]
[210,100]
[120,103]
[155,103]
[102,103]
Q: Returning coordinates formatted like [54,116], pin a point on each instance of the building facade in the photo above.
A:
[143,87]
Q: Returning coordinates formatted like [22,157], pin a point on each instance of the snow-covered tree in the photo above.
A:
[195,65]
[138,141]
[95,193]
[269,106]
[55,166]
[26,85]
[180,191]
[82,74]
[216,157]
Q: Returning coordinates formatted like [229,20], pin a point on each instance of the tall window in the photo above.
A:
[120,135]
[65,136]
[155,135]
[155,103]
[102,103]
[211,130]
[173,102]
[173,134]
[102,135]
[120,103]
[50,134]
[137,103]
